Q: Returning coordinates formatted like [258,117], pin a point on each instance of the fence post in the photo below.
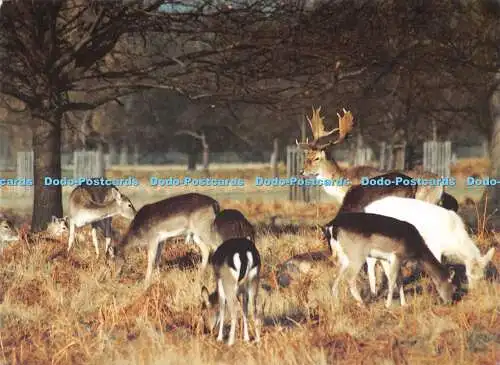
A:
[437,157]
[4,150]
[136,154]
[24,168]
[123,154]
[89,164]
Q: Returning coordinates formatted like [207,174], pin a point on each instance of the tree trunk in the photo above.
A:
[47,163]
[491,196]
[192,159]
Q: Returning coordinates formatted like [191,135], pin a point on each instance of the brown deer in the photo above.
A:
[96,205]
[190,214]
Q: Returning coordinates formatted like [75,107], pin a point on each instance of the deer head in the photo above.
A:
[315,151]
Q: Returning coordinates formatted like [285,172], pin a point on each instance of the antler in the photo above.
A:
[319,133]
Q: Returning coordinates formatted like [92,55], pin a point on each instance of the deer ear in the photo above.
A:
[54,219]
[485,260]
[205,296]
[116,194]
[452,275]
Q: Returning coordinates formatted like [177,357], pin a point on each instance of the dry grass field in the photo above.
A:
[60,308]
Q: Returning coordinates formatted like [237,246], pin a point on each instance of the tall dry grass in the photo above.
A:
[59,308]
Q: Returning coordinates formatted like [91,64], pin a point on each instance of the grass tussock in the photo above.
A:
[68,308]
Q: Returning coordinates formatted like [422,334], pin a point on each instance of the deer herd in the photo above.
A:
[391,224]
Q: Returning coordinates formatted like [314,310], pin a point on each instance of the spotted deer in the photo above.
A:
[189,214]
[355,236]
[236,264]
[96,205]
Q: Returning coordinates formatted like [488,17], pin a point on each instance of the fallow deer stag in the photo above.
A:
[317,164]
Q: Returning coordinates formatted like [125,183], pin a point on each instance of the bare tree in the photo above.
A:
[75,55]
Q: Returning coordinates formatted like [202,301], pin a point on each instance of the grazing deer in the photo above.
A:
[231,223]
[189,214]
[356,236]
[96,205]
[443,230]
[7,233]
[236,265]
[316,163]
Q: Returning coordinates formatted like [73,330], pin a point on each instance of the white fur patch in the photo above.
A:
[237,265]
[220,289]
[337,248]
[250,262]
[443,230]
[252,273]
[338,192]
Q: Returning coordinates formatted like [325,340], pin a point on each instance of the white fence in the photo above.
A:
[437,157]
[363,156]
[392,157]
[24,169]
[88,164]
[5,162]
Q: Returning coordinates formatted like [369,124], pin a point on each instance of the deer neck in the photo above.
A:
[330,170]
[96,213]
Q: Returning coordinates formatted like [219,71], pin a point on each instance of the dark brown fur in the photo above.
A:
[231,223]
[359,196]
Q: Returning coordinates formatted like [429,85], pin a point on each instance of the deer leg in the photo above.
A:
[159,252]
[372,279]
[232,304]
[107,227]
[71,238]
[344,264]
[152,252]
[246,299]
[353,272]
[392,278]
[255,313]
[222,306]
[94,238]
[205,252]
[386,265]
